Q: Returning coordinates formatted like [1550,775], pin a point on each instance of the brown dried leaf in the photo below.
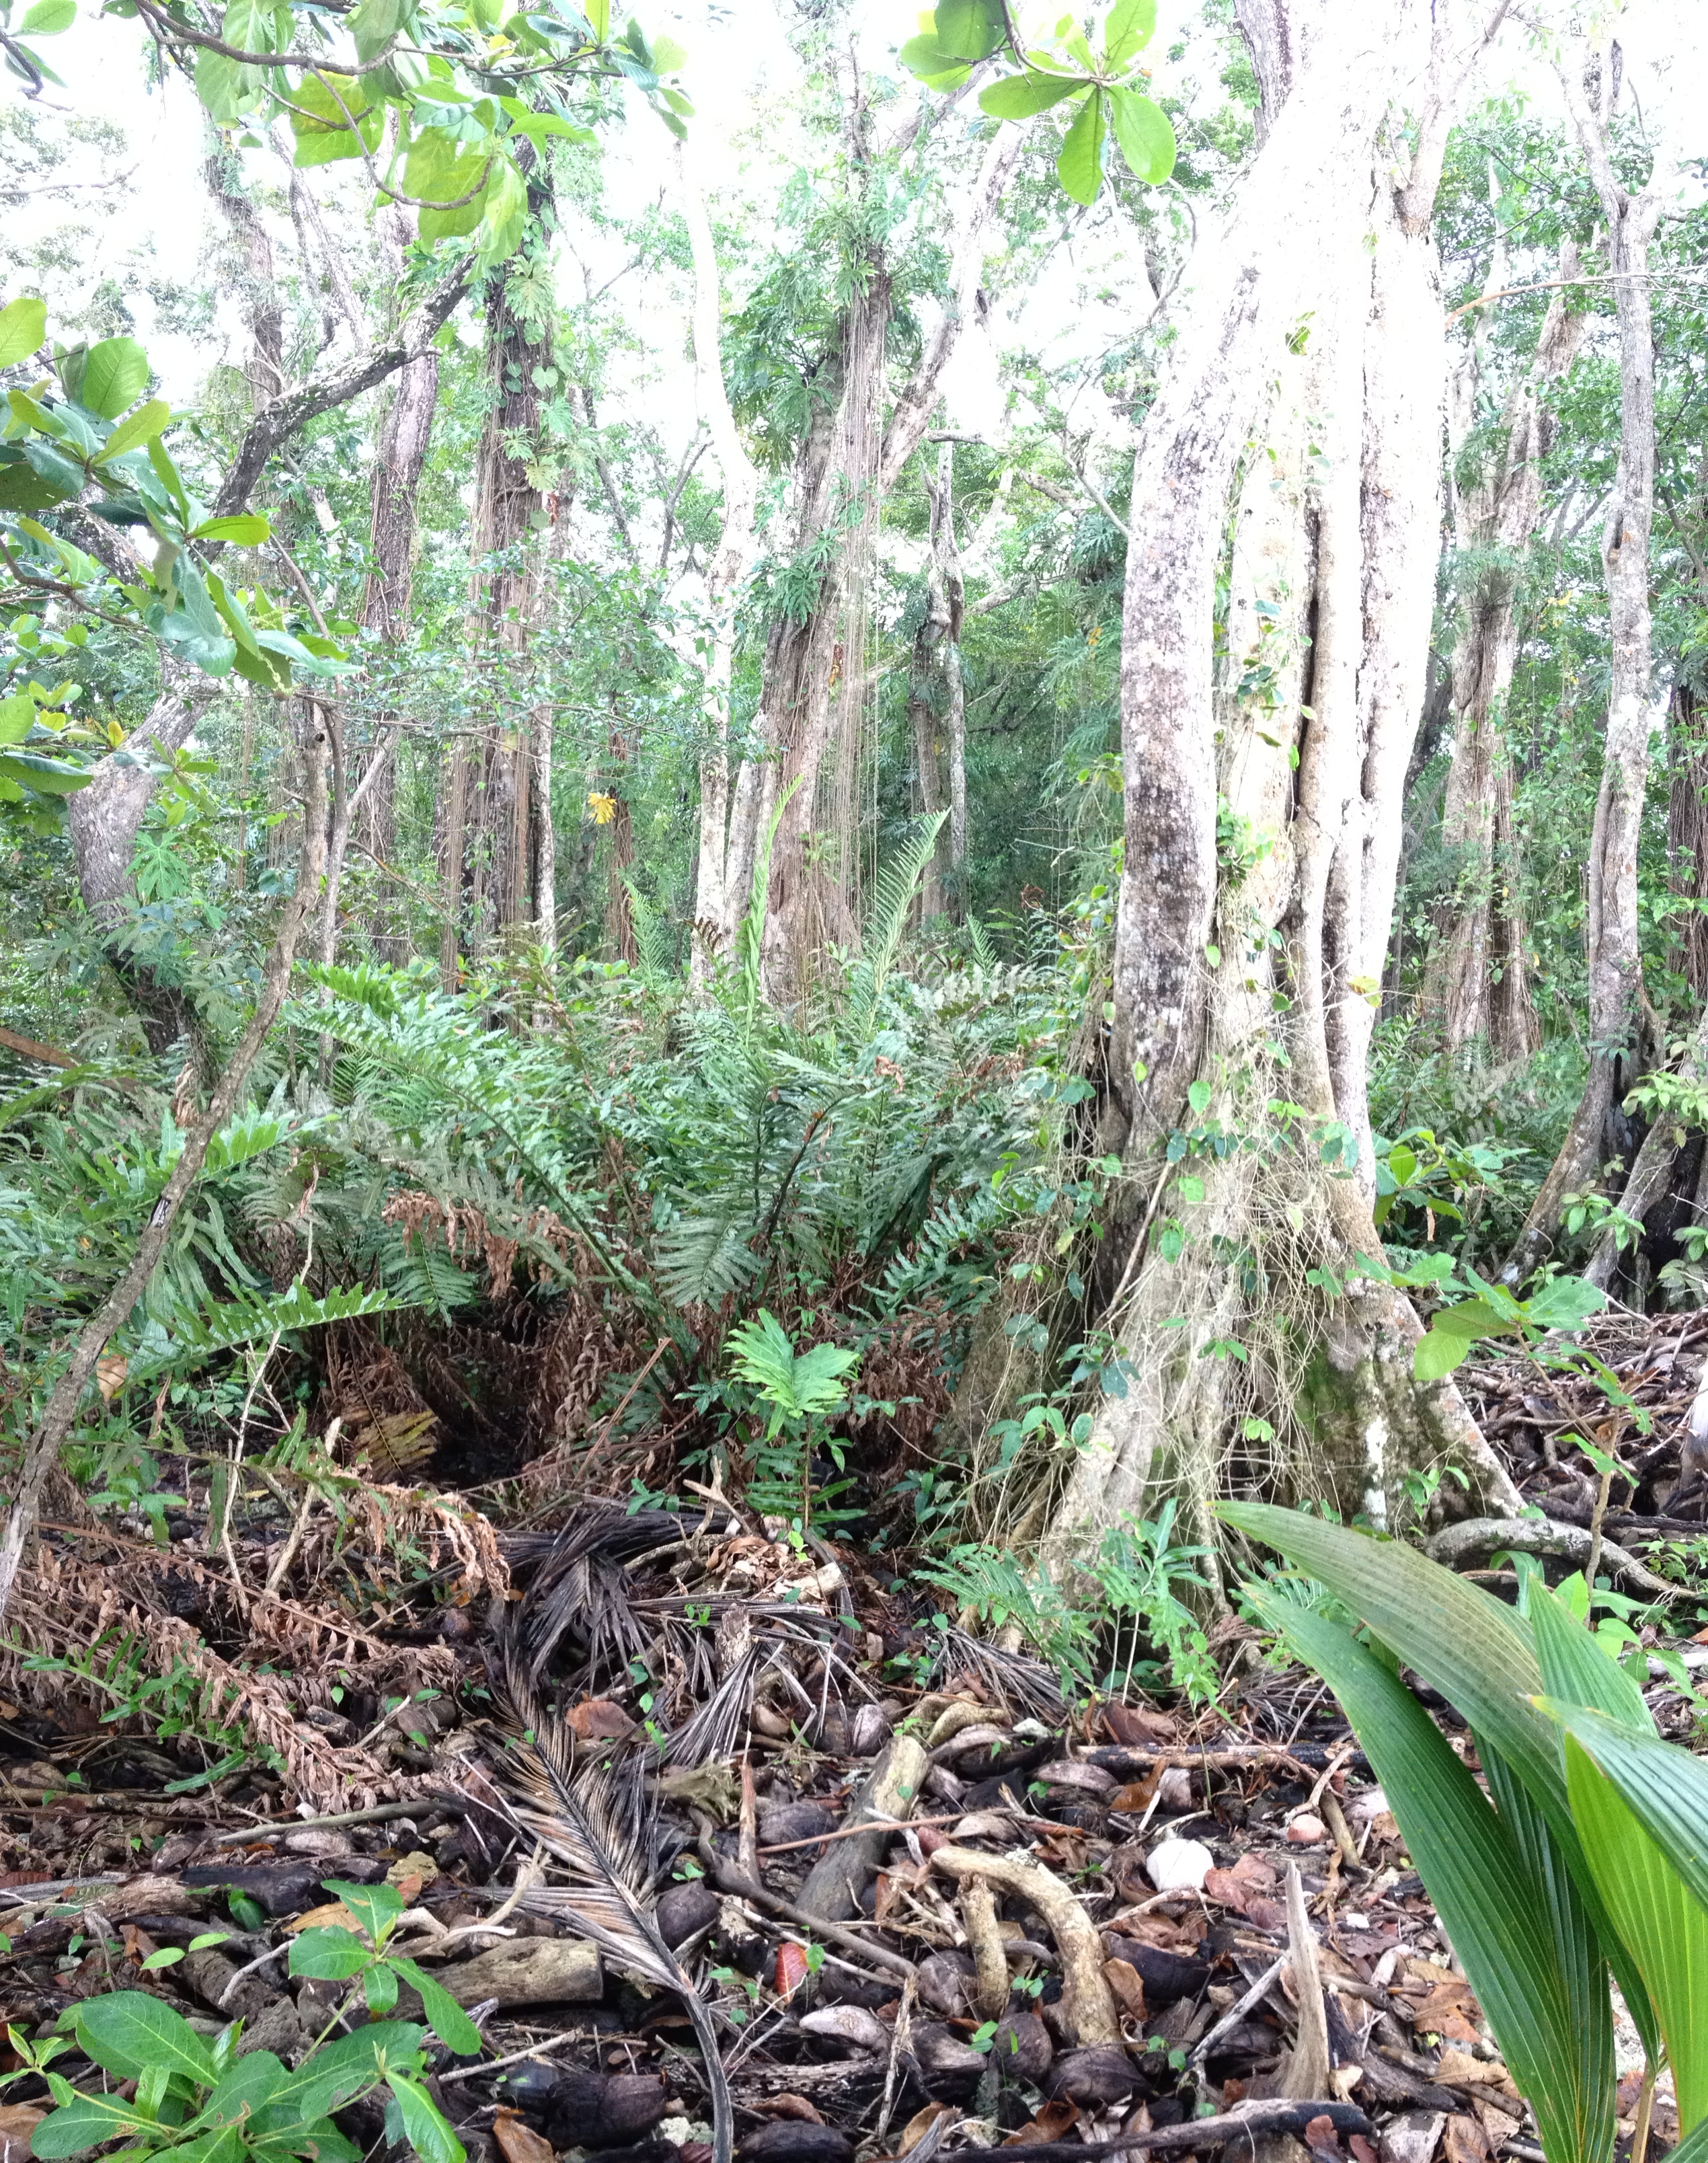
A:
[1463,2140]
[1053,2122]
[1138,1728]
[518,2142]
[110,1371]
[17,2123]
[787,2105]
[1128,1985]
[597,1719]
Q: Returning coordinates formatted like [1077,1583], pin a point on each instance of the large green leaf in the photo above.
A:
[23,326]
[128,2031]
[1019,96]
[1145,135]
[322,109]
[1496,1910]
[1127,30]
[1079,164]
[1476,1651]
[1665,1927]
[115,376]
[86,2122]
[969,29]
[52,777]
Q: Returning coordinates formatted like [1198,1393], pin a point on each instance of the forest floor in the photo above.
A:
[1204,1928]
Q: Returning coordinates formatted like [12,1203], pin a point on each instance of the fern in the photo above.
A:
[198,1334]
[892,896]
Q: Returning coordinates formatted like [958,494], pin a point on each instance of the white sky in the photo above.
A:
[742,75]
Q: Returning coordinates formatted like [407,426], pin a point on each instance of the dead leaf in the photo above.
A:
[1322,2140]
[17,2122]
[1128,1985]
[518,2141]
[921,2123]
[788,2105]
[597,1719]
[332,1914]
[1250,1877]
[1135,1798]
[1463,2140]
[1137,1727]
[110,1371]
[1053,2121]
[1497,2124]
[1362,2151]
[1459,2069]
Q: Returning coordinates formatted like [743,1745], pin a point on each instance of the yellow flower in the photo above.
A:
[603,808]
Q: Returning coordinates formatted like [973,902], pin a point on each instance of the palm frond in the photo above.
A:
[880,941]
[591,1817]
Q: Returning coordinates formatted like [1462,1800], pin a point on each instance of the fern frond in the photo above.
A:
[892,896]
[197,1336]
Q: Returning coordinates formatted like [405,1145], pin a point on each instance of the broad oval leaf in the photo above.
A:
[115,376]
[128,2031]
[245,529]
[141,427]
[1079,164]
[49,17]
[1145,135]
[969,29]
[23,324]
[1019,96]
[1128,29]
[86,2122]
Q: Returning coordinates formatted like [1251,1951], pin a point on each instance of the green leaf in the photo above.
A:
[374,24]
[969,29]
[255,2080]
[937,70]
[1469,1645]
[503,214]
[347,2066]
[1144,133]
[247,529]
[23,324]
[329,1953]
[321,121]
[1018,96]
[84,2122]
[141,427]
[1564,1303]
[48,775]
[115,376]
[424,2126]
[224,86]
[128,2032]
[1664,1927]
[1489,1897]
[17,717]
[1079,166]
[376,1907]
[1128,29]
[450,2023]
[48,18]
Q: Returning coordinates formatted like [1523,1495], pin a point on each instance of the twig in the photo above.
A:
[1237,2011]
[376,1814]
[1244,2121]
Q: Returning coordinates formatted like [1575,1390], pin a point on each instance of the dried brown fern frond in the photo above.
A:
[99,1637]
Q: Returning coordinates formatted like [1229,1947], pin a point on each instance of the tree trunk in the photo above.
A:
[104,819]
[853,460]
[405,437]
[486,849]
[1245,991]
[1687,839]
[1476,982]
[258,294]
[1620,1023]
[719,891]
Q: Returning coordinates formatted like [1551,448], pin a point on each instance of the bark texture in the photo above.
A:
[814,682]
[1476,980]
[1306,386]
[488,847]
[1620,1024]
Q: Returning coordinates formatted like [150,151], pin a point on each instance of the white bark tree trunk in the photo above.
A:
[1310,355]
[717,898]
[1621,1024]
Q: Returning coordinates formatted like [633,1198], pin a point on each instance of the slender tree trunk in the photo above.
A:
[405,437]
[1620,1018]
[1308,350]
[720,890]
[258,294]
[489,817]
[1476,982]
[1687,838]
[846,463]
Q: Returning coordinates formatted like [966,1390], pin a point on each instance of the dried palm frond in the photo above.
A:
[1017,1683]
[592,1815]
[580,1589]
[714,1731]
